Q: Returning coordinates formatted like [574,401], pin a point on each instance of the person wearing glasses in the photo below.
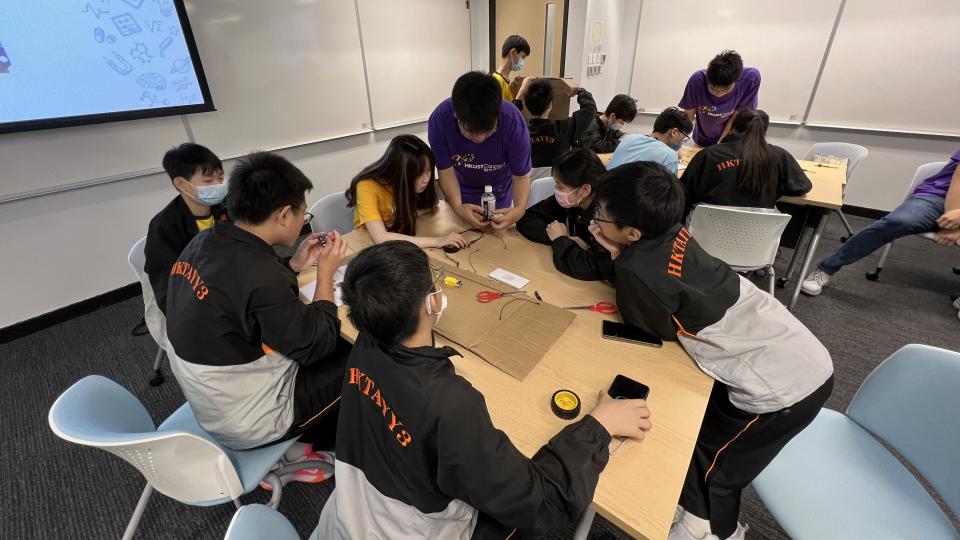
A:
[671,130]
[480,142]
[418,455]
[744,170]
[715,95]
[255,363]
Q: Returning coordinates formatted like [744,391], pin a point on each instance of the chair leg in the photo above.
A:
[796,257]
[583,526]
[846,225]
[875,275]
[138,513]
[276,487]
[157,378]
[236,502]
[771,274]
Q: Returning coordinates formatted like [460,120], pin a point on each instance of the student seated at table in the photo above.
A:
[933,207]
[256,364]
[604,133]
[670,130]
[563,221]
[551,138]
[197,174]
[715,95]
[387,195]
[417,453]
[772,373]
[744,170]
[513,53]
[478,142]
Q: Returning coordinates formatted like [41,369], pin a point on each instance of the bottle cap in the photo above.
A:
[488,189]
[565,404]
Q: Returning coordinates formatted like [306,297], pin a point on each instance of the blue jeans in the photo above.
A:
[916,215]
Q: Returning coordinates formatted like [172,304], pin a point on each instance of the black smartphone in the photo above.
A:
[630,334]
[627,388]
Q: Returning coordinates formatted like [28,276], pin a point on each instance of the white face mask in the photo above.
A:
[563,199]
[519,65]
[615,126]
[443,305]
[209,195]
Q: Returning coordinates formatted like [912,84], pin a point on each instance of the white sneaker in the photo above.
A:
[815,282]
[687,526]
[740,533]
[956,304]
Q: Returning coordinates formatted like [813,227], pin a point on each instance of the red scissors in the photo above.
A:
[485,297]
[600,307]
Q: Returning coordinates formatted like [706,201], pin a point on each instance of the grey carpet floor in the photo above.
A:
[54,489]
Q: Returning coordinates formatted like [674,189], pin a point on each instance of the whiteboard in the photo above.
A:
[58,159]
[281,73]
[786,41]
[414,52]
[892,67]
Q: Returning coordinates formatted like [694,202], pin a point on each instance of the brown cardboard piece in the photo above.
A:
[514,343]
[561,103]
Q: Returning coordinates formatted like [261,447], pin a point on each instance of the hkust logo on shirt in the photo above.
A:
[710,110]
[462,159]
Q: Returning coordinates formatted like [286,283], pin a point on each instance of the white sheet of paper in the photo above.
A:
[310,288]
[509,278]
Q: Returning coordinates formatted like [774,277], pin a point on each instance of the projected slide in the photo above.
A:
[70,58]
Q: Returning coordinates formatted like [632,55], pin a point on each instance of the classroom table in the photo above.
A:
[639,489]
[605,158]
[825,196]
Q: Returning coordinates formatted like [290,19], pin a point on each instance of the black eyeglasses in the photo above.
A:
[599,219]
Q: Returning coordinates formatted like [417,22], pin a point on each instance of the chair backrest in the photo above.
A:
[923,172]
[853,152]
[742,237]
[256,521]
[332,213]
[156,322]
[98,412]
[911,401]
[540,189]
[537,173]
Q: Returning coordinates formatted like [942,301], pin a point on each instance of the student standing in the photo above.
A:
[513,53]
[714,96]
[256,364]
[479,142]
[744,170]
[604,133]
[197,174]
[670,130]
[772,373]
[934,207]
[551,138]
[417,453]
[387,196]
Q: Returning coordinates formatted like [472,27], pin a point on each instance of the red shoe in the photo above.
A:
[308,476]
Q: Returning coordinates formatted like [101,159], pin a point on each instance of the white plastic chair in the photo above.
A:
[540,189]
[923,172]
[744,238]
[837,480]
[256,522]
[178,459]
[331,213]
[854,154]
[537,173]
[156,322]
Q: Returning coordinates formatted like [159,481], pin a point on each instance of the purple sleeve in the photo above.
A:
[438,140]
[956,155]
[749,98]
[690,95]
[517,142]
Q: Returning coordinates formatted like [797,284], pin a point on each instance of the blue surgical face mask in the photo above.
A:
[675,147]
[519,65]
[210,195]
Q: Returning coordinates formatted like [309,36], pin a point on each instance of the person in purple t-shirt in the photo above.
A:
[934,207]
[714,96]
[478,142]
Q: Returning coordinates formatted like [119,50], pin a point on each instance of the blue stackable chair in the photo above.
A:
[836,481]
[178,459]
[331,213]
[540,189]
[257,522]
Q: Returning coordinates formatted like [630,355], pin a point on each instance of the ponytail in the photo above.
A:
[756,174]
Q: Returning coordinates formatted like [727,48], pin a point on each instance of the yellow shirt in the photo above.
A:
[374,203]
[204,223]
[504,86]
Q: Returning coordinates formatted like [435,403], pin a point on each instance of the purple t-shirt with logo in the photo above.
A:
[713,111]
[493,162]
[938,184]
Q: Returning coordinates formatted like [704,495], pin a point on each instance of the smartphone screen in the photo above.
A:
[627,388]
[631,334]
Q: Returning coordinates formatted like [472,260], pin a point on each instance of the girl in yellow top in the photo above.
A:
[387,195]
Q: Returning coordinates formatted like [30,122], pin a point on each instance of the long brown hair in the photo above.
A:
[756,174]
[406,158]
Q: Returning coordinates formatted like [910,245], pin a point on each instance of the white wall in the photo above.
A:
[879,181]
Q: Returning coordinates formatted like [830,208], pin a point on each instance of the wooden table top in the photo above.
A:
[639,489]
